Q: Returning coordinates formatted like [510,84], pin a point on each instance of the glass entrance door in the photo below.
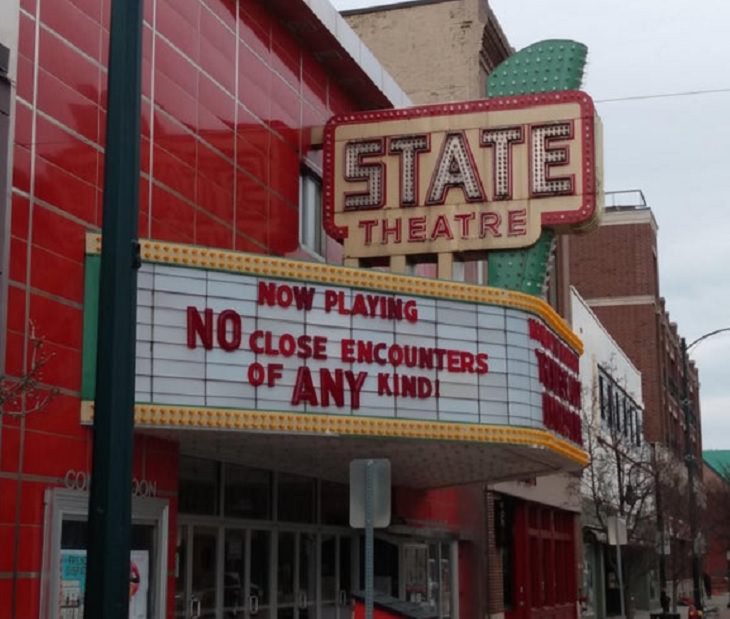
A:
[195,573]
[259,592]
[246,591]
[335,576]
[328,575]
[297,575]
[307,593]
[225,572]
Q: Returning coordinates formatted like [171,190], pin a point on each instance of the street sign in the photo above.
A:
[369,508]
[616,531]
[380,474]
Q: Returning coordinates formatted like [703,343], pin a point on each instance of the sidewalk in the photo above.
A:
[716,601]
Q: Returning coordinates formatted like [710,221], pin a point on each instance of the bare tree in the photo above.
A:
[627,478]
[26,394]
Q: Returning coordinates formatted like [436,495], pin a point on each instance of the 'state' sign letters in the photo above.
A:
[461,177]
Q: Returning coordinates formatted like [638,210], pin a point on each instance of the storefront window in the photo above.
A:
[297,498]
[198,490]
[311,232]
[335,500]
[247,493]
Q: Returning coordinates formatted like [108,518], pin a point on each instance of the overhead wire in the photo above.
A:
[668,95]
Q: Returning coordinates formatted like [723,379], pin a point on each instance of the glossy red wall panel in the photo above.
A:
[229,96]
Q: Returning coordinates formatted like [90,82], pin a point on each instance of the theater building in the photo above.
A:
[263,367]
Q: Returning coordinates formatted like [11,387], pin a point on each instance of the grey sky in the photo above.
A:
[675,149]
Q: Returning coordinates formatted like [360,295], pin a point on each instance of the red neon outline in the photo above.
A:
[582,215]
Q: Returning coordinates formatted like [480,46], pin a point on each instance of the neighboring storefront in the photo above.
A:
[620,478]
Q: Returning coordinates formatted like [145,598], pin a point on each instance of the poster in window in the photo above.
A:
[73,584]
[139,583]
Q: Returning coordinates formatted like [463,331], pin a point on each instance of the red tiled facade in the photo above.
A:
[229,98]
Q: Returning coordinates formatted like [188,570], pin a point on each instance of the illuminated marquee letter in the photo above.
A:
[545,157]
[501,140]
[455,168]
[408,147]
[372,173]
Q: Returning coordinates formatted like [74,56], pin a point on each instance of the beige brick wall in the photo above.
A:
[431,48]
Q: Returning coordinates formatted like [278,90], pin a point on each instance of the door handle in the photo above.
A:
[253,604]
[342,597]
[195,608]
[302,599]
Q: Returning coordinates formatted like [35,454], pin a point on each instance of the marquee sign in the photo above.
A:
[459,177]
[213,335]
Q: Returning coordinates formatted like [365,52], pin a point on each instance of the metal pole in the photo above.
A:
[369,539]
[691,475]
[619,571]
[664,598]
[110,502]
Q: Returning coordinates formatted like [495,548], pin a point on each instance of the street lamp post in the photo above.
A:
[663,597]
[110,502]
[691,462]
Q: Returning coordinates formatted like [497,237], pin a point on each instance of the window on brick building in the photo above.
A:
[603,395]
[311,233]
[619,411]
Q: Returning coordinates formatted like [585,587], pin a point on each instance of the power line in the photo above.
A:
[668,95]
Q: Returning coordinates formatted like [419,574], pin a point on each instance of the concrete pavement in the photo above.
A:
[718,602]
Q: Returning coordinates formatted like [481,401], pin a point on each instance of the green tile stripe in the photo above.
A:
[91,321]
[547,66]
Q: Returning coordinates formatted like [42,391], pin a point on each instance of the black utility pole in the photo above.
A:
[110,502]
[658,490]
[691,461]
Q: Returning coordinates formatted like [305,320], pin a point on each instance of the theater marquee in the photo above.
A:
[461,177]
[224,336]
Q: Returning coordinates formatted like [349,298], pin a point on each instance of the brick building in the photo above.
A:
[447,58]
[716,465]
[616,271]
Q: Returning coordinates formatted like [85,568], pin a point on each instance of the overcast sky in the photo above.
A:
[675,149]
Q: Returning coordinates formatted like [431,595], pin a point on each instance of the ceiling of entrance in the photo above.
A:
[415,463]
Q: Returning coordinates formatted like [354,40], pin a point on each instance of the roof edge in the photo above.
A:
[351,43]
